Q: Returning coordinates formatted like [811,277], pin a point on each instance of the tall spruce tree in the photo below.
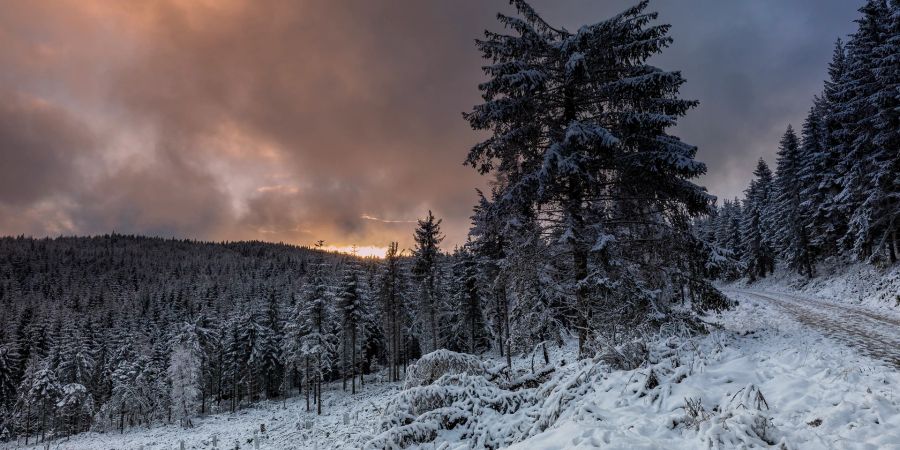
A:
[578,137]
[758,254]
[426,261]
[350,309]
[869,190]
[787,218]
[392,292]
[467,326]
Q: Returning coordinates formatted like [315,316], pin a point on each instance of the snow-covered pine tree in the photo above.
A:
[467,330]
[882,203]
[828,221]
[236,353]
[758,255]
[578,124]
[318,348]
[292,344]
[125,399]
[869,187]
[76,363]
[426,260]
[265,350]
[372,338]
[75,408]
[811,155]
[728,236]
[392,292]
[38,393]
[185,373]
[489,245]
[785,213]
[8,362]
[350,310]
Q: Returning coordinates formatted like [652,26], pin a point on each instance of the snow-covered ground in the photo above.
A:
[813,393]
[287,425]
[762,378]
[855,284]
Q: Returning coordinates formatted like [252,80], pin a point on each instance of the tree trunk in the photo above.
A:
[319,392]
[508,338]
[471,328]
[353,361]
[344,364]
[432,313]
[891,245]
[307,384]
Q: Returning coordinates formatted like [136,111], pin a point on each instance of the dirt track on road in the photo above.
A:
[873,334]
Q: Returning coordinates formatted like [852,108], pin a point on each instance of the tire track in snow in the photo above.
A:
[873,334]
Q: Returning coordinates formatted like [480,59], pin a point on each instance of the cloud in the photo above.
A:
[298,121]
[42,146]
[368,217]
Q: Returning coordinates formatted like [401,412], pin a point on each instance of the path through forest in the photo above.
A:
[874,334]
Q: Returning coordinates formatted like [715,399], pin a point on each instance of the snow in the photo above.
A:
[818,394]
[760,379]
[287,424]
[860,284]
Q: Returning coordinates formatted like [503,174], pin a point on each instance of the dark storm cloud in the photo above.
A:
[300,121]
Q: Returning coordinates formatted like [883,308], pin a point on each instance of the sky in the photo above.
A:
[295,121]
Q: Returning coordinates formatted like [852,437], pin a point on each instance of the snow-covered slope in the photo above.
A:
[858,283]
[761,380]
[287,426]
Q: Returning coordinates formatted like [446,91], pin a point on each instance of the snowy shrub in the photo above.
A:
[694,413]
[440,362]
[741,422]
[627,356]
[469,404]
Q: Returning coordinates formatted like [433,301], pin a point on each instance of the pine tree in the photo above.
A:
[726,237]
[349,305]
[292,342]
[786,215]
[236,354]
[828,221]
[869,186]
[809,170]
[75,408]
[38,392]
[489,245]
[265,351]
[185,372]
[756,234]
[126,399]
[8,362]
[76,363]
[578,126]
[318,342]
[426,257]
[467,326]
[392,291]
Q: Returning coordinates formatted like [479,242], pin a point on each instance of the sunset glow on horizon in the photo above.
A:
[363,251]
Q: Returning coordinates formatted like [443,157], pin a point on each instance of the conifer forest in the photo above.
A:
[596,295]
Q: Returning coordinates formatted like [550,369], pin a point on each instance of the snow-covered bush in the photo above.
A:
[432,366]
[741,422]
[627,356]
[469,404]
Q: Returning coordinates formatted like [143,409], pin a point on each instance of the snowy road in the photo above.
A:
[872,333]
